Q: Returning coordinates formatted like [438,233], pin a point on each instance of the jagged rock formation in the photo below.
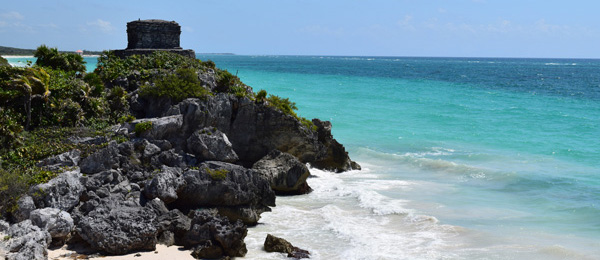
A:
[285,173]
[147,36]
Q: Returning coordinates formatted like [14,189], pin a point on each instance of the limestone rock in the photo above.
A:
[27,242]
[62,192]
[163,128]
[57,222]
[209,230]
[118,228]
[259,129]
[276,244]
[102,160]
[164,185]
[210,144]
[336,158]
[220,184]
[286,174]
[70,158]
[25,205]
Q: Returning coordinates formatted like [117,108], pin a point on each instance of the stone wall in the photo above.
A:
[153,34]
[147,36]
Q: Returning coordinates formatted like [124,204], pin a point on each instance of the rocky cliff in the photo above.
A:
[196,174]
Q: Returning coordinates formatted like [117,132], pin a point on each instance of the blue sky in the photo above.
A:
[447,28]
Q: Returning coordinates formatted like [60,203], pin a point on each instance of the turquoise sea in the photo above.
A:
[463,158]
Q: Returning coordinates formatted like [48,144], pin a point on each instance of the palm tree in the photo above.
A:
[33,84]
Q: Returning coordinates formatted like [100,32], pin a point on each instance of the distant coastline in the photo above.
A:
[11,52]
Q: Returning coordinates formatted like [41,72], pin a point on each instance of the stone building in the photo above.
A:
[147,36]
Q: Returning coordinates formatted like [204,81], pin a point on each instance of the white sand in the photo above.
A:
[162,253]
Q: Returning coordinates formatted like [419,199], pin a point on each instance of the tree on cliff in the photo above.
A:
[50,57]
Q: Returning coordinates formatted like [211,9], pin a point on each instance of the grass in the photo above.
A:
[217,175]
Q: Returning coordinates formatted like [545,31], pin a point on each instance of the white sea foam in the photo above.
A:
[347,217]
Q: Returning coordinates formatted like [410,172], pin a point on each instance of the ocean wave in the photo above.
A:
[560,64]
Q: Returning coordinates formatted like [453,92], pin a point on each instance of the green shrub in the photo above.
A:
[70,113]
[184,83]
[95,82]
[286,106]
[142,127]
[12,185]
[117,103]
[126,119]
[261,96]
[217,175]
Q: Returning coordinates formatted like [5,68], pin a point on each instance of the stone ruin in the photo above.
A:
[147,36]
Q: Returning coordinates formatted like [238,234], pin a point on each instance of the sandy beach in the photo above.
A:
[162,252]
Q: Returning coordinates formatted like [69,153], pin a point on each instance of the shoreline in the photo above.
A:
[160,253]
[31,56]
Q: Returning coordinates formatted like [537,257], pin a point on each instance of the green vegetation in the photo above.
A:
[3,62]
[284,105]
[111,67]
[41,106]
[217,175]
[50,57]
[142,127]
[182,84]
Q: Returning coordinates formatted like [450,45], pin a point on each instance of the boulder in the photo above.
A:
[118,228]
[102,160]
[286,174]
[210,144]
[163,128]
[27,242]
[25,205]
[107,179]
[67,159]
[176,223]
[57,222]
[276,244]
[62,192]
[212,234]
[221,184]
[164,185]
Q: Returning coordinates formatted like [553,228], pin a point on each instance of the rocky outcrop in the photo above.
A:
[336,158]
[212,236]
[27,242]
[25,205]
[102,160]
[57,222]
[286,174]
[70,158]
[237,192]
[210,144]
[118,227]
[165,185]
[61,192]
[276,244]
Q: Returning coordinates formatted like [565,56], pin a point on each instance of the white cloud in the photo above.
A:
[187,29]
[12,16]
[102,25]
[406,23]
